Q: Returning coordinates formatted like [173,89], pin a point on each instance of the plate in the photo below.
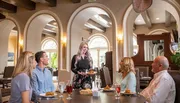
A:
[127,93]
[91,73]
[109,90]
[44,95]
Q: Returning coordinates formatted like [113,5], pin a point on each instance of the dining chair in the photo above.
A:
[5,95]
[176,76]
[8,71]
[107,75]
[137,80]
[143,71]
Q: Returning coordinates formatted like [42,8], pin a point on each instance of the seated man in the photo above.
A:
[41,76]
[162,87]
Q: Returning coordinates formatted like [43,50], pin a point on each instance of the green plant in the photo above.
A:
[176,59]
[53,60]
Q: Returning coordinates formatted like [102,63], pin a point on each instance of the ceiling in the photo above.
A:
[155,14]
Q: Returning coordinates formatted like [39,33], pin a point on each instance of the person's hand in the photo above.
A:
[82,73]
[91,69]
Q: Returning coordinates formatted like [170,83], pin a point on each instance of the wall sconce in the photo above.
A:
[64,39]
[21,42]
[120,37]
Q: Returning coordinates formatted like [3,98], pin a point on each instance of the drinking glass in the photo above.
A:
[118,90]
[69,90]
[61,88]
[141,74]
[98,81]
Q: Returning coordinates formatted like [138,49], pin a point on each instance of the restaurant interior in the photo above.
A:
[112,28]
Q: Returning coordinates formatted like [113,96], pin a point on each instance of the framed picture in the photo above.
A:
[10,56]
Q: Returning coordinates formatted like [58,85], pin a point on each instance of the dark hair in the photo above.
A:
[38,55]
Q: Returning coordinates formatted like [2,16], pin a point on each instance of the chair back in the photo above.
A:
[0,96]
[8,71]
[107,75]
[137,80]
[5,95]
[144,69]
[176,76]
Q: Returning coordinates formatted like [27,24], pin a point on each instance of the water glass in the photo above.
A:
[61,88]
[98,81]
[141,74]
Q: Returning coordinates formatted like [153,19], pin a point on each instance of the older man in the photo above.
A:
[162,87]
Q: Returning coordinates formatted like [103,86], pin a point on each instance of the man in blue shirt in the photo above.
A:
[41,76]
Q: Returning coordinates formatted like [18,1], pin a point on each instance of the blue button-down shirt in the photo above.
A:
[42,81]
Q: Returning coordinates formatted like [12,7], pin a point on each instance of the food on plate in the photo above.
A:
[91,71]
[49,93]
[127,91]
[86,91]
[107,87]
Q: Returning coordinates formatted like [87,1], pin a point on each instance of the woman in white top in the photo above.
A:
[127,71]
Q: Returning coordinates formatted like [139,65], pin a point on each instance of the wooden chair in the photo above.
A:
[176,76]
[5,95]
[107,75]
[145,70]
[7,76]
[137,80]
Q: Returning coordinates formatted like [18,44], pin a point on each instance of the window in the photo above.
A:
[50,47]
[98,46]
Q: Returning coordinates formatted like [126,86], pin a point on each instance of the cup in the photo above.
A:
[61,88]
[69,90]
[141,74]
[118,91]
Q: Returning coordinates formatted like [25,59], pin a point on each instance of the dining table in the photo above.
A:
[104,97]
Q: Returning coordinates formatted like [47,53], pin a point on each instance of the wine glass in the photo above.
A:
[141,74]
[69,90]
[61,88]
[118,90]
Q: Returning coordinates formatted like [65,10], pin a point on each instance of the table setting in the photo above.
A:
[107,94]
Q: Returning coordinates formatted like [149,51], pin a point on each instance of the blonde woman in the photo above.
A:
[81,62]
[128,75]
[21,90]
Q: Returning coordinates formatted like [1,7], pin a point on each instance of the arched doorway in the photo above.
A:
[48,25]
[76,25]
[9,43]
[98,46]
[131,15]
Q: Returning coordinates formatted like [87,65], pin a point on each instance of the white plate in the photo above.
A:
[109,90]
[44,95]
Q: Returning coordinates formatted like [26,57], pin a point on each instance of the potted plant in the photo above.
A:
[176,59]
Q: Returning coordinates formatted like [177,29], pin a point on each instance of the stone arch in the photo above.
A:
[34,22]
[131,15]
[6,26]
[114,29]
